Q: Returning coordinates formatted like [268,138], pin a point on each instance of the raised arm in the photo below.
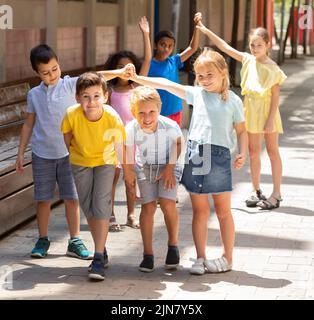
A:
[194,44]
[144,26]
[220,43]
[157,83]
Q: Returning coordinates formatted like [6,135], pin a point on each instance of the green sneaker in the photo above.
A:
[41,248]
[77,249]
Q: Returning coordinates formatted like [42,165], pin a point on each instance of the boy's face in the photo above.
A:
[147,115]
[164,48]
[50,72]
[92,100]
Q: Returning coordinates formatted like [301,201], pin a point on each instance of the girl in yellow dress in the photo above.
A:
[260,82]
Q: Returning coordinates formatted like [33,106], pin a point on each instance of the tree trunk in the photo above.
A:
[305,32]
[281,52]
[247,23]
[234,39]
[265,14]
[192,10]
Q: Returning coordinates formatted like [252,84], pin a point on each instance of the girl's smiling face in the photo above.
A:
[209,77]
[258,47]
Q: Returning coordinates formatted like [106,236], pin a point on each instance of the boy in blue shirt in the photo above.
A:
[166,66]
[46,106]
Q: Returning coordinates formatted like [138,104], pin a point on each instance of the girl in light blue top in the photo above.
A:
[217,112]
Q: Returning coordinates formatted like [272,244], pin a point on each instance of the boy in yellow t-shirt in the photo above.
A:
[94,135]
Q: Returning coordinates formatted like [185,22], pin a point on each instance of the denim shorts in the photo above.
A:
[48,172]
[94,188]
[207,169]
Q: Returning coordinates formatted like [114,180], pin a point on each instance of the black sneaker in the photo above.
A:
[173,258]
[106,262]
[97,271]
[255,197]
[147,265]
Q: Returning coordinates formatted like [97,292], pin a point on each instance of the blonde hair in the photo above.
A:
[214,58]
[141,94]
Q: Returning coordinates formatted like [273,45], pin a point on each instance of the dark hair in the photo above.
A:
[41,54]
[113,59]
[90,79]
[164,34]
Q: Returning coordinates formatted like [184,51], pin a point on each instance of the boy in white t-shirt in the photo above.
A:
[158,146]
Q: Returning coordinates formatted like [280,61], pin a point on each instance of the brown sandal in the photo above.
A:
[114,226]
[267,205]
[132,222]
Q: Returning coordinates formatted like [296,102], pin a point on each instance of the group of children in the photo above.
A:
[131,125]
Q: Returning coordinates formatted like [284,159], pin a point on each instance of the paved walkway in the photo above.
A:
[274,251]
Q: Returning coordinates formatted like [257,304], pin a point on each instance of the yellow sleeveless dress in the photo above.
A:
[257,79]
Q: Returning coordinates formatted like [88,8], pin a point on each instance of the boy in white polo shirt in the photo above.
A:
[46,106]
[158,146]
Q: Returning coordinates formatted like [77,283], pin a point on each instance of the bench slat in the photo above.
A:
[13,94]
[12,113]
[13,181]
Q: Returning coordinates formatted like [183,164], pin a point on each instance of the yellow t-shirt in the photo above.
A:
[257,80]
[93,142]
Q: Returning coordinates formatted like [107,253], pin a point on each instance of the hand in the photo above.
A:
[197,18]
[169,178]
[144,25]
[19,164]
[269,126]
[130,71]
[201,27]
[239,161]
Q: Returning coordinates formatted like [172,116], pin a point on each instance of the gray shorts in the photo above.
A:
[48,172]
[152,190]
[94,188]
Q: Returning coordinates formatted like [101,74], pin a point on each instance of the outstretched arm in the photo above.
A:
[194,44]
[111,74]
[220,43]
[144,26]
[157,83]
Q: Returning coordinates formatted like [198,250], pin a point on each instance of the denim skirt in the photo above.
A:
[207,169]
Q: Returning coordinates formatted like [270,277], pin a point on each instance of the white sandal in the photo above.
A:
[198,266]
[217,265]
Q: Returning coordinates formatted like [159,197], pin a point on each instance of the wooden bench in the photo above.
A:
[16,191]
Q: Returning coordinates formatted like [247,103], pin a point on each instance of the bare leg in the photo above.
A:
[201,209]
[43,214]
[271,141]
[72,210]
[255,147]
[171,217]
[147,223]
[99,230]
[222,204]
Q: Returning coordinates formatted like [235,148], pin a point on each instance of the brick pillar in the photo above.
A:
[52,24]
[123,24]
[91,33]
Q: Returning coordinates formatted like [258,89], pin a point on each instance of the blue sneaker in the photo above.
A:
[106,262]
[97,271]
[41,248]
[77,249]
